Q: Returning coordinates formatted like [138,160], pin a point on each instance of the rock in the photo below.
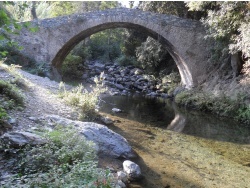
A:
[107,141]
[35,119]
[178,90]
[132,170]
[20,139]
[6,125]
[106,120]
[119,86]
[12,121]
[99,65]
[122,176]
[136,71]
[120,184]
[116,110]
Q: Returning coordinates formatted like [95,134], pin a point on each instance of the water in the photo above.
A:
[181,148]
[164,113]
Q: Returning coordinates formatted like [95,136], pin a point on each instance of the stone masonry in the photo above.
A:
[183,38]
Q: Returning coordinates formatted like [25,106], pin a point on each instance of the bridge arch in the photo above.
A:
[183,38]
[69,45]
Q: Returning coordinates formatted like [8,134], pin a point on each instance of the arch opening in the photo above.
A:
[186,77]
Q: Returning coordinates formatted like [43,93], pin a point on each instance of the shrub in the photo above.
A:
[72,67]
[3,114]
[222,105]
[126,61]
[82,99]
[11,92]
[66,160]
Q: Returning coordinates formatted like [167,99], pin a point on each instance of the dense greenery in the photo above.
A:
[66,160]
[221,105]
[228,23]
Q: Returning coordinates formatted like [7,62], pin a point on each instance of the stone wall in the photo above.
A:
[183,38]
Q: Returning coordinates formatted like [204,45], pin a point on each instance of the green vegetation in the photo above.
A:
[72,67]
[66,160]
[11,92]
[228,23]
[84,100]
[221,105]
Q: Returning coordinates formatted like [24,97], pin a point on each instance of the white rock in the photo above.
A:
[132,170]
[106,120]
[122,176]
[116,110]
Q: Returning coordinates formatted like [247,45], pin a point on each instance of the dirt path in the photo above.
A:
[41,98]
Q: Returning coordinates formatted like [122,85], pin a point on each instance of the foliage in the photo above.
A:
[3,114]
[220,105]
[150,55]
[72,67]
[66,160]
[11,92]
[177,8]
[82,99]
[133,39]
[126,61]
[228,23]
[106,45]
[64,8]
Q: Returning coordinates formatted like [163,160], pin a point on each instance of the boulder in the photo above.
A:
[122,176]
[116,110]
[20,139]
[106,120]
[132,170]
[120,184]
[107,141]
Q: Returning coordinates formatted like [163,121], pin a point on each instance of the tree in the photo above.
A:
[228,23]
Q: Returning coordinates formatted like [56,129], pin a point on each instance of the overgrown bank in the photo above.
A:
[237,109]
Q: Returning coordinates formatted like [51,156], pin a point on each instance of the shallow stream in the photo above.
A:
[181,148]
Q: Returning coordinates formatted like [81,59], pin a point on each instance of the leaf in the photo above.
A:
[3,53]
[2,37]
[34,29]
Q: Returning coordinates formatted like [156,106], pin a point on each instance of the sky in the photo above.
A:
[126,3]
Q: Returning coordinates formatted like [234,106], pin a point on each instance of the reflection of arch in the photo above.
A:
[179,121]
[183,38]
[69,45]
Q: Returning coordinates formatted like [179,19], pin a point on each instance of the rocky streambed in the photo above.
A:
[122,80]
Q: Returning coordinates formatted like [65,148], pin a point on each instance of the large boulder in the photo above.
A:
[109,143]
[20,139]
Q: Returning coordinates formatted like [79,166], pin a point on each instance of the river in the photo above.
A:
[181,148]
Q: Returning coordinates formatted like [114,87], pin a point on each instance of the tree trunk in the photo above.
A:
[33,10]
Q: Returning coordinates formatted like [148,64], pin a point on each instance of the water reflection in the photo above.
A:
[165,114]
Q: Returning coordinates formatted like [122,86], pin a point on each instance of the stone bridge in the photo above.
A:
[183,38]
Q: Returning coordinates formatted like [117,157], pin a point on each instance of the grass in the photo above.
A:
[84,100]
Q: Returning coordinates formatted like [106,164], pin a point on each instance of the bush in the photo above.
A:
[11,92]
[72,67]
[3,114]
[82,99]
[126,61]
[66,160]
[222,105]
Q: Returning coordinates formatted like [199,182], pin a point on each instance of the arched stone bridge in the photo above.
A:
[183,38]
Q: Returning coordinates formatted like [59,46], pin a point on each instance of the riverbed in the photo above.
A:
[181,148]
